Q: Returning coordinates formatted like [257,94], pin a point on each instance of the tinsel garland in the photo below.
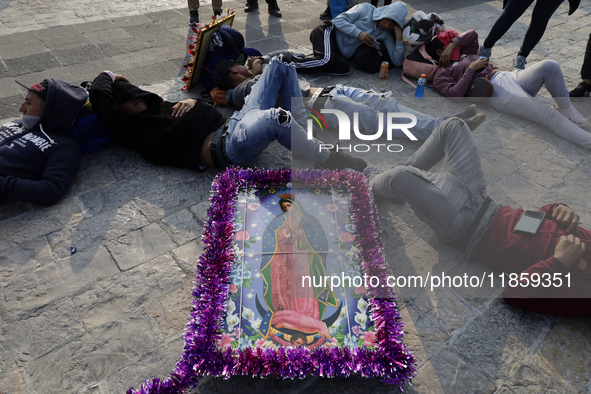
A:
[391,360]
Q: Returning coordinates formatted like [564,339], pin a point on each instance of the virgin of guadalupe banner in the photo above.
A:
[266,302]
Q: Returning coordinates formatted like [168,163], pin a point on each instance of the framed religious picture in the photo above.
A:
[291,283]
[197,50]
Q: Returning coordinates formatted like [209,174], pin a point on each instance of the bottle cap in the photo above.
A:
[423,75]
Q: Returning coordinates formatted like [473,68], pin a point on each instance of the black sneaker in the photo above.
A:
[326,15]
[251,6]
[193,18]
[216,13]
[580,91]
[341,160]
[274,11]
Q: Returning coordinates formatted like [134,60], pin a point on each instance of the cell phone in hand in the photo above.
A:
[529,222]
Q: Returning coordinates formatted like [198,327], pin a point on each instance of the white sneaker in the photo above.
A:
[573,115]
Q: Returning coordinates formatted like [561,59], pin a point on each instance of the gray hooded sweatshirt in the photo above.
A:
[365,17]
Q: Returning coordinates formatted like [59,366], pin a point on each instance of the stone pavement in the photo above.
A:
[113,314]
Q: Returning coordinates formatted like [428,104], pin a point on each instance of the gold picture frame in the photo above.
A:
[198,49]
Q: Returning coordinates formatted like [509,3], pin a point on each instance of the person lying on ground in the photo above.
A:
[38,157]
[453,201]
[512,91]
[192,133]
[356,35]
[369,105]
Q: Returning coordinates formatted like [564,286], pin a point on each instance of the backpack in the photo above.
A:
[420,29]
[87,131]
[417,63]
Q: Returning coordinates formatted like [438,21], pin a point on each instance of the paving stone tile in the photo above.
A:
[97,26]
[24,258]
[552,175]
[200,211]
[154,72]
[533,375]
[12,209]
[172,310]
[159,362]
[13,383]
[78,54]
[517,191]
[44,330]
[126,292]
[140,246]
[8,361]
[42,222]
[108,35]
[114,195]
[90,178]
[65,42]
[566,361]
[447,372]
[90,233]
[500,337]
[187,256]
[165,202]
[182,226]
[18,50]
[31,64]
[123,46]
[94,356]
[58,280]
[32,78]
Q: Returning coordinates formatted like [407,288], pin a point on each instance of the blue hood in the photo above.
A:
[397,12]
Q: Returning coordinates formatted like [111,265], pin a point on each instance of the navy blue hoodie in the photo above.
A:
[38,165]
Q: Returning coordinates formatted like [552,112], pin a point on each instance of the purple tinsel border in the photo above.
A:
[392,361]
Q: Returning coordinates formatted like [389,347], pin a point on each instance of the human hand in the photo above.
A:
[367,39]
[398,32]
[257,66]
[478,64]
[119,77]
[182,107]
[569,250]
[446,54]
[567,218]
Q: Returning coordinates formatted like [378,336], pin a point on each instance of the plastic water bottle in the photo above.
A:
[421,87]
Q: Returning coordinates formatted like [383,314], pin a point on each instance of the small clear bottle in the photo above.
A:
[421,87]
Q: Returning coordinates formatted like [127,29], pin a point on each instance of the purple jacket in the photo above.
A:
[454,79]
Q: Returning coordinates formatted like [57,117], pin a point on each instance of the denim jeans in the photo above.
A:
[258,123]
[513,94]
[369,104]
[447,200]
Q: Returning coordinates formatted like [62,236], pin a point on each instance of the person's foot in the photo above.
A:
[573,115]
[484,52]
[251,6]
[519,62]
[475,121]
[581,91]
[193,18]
[217,13]
[465,114]
[326,15]
[274,10]
[341,160]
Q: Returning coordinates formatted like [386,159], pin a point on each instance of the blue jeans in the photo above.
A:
[448,200]
[258,123]
[369,104]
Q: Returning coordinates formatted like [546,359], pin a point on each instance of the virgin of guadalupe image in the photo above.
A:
[294,245]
